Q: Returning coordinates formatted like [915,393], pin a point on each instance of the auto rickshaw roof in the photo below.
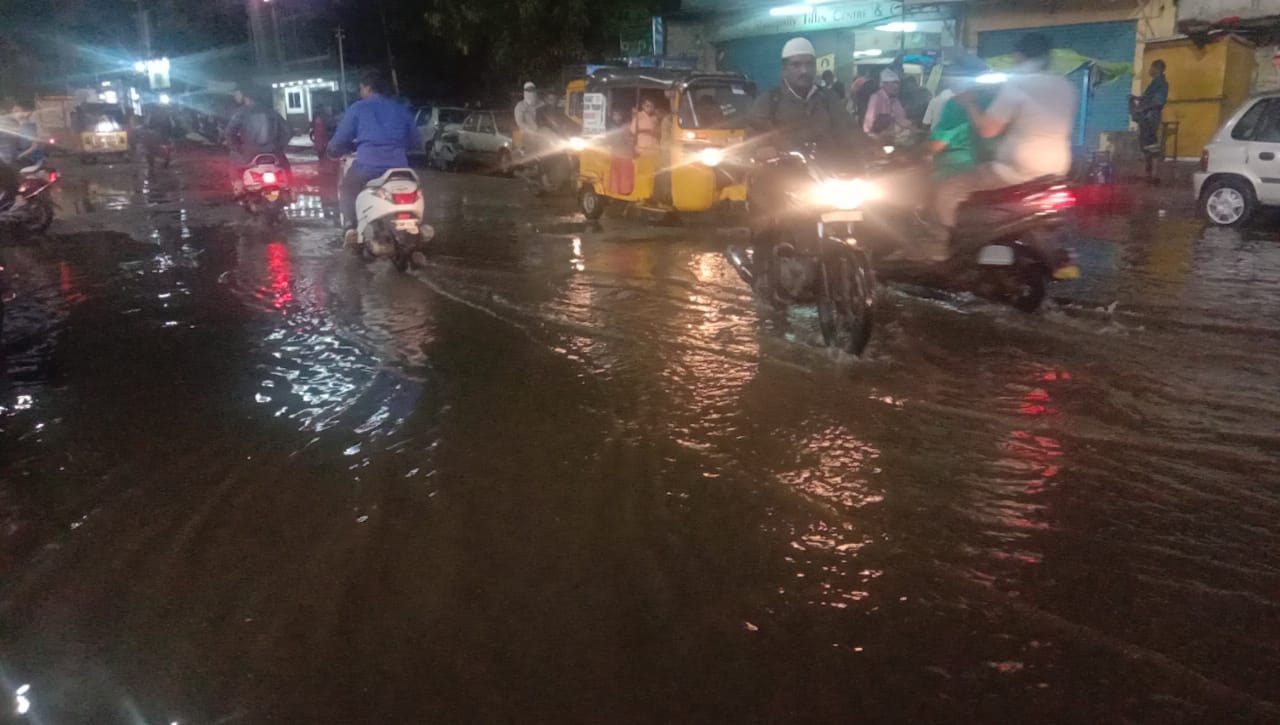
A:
[655,78]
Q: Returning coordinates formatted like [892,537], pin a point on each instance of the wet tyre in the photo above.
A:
[846,314]
[1228,202]
[1030,283]
[591,203]
[41,216]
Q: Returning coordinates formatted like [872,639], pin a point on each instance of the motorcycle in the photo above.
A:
[32,210]
[1009,244]
[555,169]
[266,189]
[389,219]
[807,250]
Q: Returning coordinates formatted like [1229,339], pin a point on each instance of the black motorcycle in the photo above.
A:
[1009,245]
[805,246]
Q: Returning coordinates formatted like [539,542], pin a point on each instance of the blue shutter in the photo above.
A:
[759,58]
[1107,108]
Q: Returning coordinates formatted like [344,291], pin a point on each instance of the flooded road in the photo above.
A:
[565,475]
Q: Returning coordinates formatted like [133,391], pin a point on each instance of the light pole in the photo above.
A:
[342,68]
[144,33]
[386,37]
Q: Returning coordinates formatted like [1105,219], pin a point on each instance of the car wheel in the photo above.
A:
[1228,202]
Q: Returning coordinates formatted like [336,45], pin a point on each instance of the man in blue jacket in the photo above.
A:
[381,132]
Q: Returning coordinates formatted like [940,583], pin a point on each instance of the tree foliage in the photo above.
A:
[535,38]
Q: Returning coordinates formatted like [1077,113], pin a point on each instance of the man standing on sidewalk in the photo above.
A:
[1149,110]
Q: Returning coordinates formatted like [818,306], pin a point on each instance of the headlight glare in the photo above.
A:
[844,193]
[711,156]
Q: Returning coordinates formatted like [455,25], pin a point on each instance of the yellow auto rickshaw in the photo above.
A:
[99,130]
[700,115]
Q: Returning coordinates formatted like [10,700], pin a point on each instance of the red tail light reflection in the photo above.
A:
[405,198]
[1053,200]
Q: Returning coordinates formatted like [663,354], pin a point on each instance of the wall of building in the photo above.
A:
[688,39]
[1213,10]
[1155,19]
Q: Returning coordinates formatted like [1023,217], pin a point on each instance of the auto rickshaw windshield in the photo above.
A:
[716,104]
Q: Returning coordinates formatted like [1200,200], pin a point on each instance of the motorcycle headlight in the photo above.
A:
[844,193]
[577,143]
[711,156]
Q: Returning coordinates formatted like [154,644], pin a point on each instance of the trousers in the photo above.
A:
[952,192]
[353,182]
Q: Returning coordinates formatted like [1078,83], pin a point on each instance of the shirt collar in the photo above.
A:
[812,90]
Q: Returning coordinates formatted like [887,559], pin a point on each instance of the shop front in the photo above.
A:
[846,35]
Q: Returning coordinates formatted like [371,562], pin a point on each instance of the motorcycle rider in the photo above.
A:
[256,129]
[20,145]
[1032,114]
[790,116]
[381,132]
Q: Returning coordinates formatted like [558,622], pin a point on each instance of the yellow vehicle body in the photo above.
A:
[695,185]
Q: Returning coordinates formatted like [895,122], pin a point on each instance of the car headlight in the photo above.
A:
[577,143]
[844,193]
[711,156]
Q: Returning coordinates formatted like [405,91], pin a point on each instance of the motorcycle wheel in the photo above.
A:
[846,312]
[406,248]
[41,216]
[1029,284]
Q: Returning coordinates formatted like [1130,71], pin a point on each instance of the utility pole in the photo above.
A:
[144,33]
[386,37]
[342,68]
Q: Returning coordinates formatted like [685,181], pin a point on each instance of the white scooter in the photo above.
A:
[389,218]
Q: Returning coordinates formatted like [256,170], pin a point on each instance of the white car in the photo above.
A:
[431,120]
[1240,168]
[484,139]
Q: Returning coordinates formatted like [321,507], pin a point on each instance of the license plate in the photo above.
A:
[853,215]
[996,256]
[1069,271]
[407,225]
[272,195]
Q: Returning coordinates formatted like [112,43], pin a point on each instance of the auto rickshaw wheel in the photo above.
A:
[591,203]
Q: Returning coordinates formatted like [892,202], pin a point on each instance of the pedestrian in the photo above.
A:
[645,131]
[831,83]
[320,125]
[1148,111]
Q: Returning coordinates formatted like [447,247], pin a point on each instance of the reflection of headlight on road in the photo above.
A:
[844,193]
[711,157]
[106,127]
[577,143]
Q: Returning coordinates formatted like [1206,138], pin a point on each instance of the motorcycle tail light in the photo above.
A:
[409,197]
[53,175]
[1053,200]
[268,177]
[404,215]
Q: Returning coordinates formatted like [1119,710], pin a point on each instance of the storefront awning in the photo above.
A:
[797,17]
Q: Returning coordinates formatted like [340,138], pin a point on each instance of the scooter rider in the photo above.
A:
[1032,115]
[381,131]
[255,129]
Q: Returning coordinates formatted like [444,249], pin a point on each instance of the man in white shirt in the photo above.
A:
[1033,114]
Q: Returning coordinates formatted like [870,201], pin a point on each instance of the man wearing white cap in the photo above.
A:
[798,111]
[885,113]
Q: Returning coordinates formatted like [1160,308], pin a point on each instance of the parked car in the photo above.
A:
[484,139]
[430,120]
[1240,168]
